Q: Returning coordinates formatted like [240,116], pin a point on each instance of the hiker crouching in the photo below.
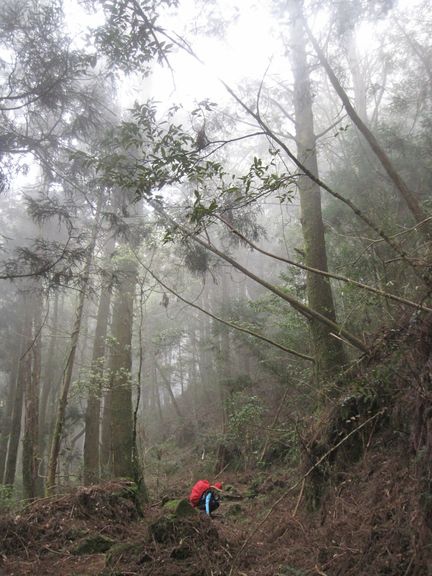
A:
[205,496]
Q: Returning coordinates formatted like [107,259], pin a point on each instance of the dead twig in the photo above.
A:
[299,497]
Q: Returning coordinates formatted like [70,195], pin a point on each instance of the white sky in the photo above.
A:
[249,45]
[245,52]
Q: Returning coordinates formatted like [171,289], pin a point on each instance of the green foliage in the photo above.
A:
[128,38]
[94,380]
[283,446]
[7,498]
[244,425]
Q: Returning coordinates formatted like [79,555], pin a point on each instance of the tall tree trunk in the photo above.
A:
[66,382]
[6,417]
[30,458]
[121,365]
[68,370]
[49,377]
[359,86]
[329,351]
[168,388]
[106,434]
[23,376]
[225,375]
[92,419]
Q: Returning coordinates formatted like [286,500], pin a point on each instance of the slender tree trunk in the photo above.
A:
[156,394]
[6,418]
[225,375]
[30,457]
[407,194]
[329,351]
[23,376]
[106,435]
[92,419]
[66,382]
[168,387]
[47,390]
[357,76]
[68,370]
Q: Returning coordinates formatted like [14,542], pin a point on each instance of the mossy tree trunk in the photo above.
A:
[329,352]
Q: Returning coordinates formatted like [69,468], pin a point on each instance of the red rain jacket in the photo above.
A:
[197,491]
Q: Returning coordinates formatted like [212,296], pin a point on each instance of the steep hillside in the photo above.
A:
[360,505]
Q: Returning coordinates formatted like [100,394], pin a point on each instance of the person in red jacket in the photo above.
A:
[205,496]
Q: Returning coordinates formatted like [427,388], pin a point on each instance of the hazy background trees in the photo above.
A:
[193,267]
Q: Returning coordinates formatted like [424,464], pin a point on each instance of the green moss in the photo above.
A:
[179,508]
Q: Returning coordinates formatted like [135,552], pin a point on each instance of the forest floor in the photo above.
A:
[368,463]
[365,526]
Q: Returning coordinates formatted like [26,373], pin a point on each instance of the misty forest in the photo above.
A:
[215,263]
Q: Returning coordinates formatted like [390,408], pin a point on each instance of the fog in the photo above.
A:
[208,211]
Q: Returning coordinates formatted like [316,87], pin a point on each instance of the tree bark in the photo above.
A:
[23,376]
[66,382]
[168,389]
[329,352]
[92,418]
[120,368]
[106,434]
[30,457]
[357,76]
[49,376]
[68,370]
[6,417]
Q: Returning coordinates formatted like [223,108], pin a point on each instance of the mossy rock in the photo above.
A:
[96,544]
[180,508]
